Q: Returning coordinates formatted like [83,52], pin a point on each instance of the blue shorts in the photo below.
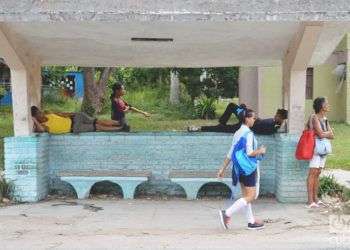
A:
[248,180]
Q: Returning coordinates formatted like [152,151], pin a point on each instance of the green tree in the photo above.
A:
[95,89]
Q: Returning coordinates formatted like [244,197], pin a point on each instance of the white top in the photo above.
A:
[239,133]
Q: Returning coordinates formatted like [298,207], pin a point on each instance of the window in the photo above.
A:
[309,83]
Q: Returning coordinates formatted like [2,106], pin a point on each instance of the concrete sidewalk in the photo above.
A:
[173,224]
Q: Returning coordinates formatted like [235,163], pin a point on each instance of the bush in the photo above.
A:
[53,95]
[329,186]
[5,189]
[205,108]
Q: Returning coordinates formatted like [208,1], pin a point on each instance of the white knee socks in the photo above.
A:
[249,213]
[238,205]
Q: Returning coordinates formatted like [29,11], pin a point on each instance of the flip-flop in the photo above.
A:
[312,205]
[321,203]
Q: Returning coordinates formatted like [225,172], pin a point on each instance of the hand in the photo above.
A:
[262,150]
[146,114]
[220,173]
[35,121]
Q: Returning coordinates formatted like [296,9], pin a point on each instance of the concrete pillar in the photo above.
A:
[294,66]
[249,88]
[25,80]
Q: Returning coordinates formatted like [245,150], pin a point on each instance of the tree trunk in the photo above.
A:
[174,88]
[94,90]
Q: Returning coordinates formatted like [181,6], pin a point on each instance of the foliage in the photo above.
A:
[5,189]
[3,91]
[329,186]
[136,78]
[51,94]
[205,108]
[224,80]
[211,82]
[52,75]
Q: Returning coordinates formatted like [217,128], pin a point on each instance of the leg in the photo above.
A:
[221,128]
[316,185]
[248,195]
[231,108]
[310,185]
[107,123]
[102,128]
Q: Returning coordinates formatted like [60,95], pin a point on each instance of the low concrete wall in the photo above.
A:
[158,152]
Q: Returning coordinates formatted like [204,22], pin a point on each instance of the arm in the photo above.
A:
[250,151]
[139,111]
[226,162]
[329,129]
[38,127]
[318,130]
[223,167]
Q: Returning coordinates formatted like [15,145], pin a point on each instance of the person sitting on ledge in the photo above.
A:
[60,123]
[261,126]
[119,107]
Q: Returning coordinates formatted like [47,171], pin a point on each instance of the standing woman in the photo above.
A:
[323,133]
[248,182]
[120,107]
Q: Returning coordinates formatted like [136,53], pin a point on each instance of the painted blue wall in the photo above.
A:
[160,153]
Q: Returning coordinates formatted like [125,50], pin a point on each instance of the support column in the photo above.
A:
[291,174]
[26,155]
[25,82]
[295,64]
[249,88]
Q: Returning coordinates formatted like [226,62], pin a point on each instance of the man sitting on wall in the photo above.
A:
[60,123]
[261,126]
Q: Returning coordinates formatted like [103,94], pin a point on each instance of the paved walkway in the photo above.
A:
[149,224]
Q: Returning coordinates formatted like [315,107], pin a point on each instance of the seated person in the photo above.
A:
[261,126]
[60,123]
[120,107]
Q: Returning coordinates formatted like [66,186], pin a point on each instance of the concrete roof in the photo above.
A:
[205,33]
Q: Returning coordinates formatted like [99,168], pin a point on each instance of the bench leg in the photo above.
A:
[128,188]
[191,189]
[82,188]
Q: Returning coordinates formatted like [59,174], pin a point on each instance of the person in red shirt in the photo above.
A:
[120,106]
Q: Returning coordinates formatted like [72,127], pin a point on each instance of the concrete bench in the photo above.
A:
[192,181]
[82,181]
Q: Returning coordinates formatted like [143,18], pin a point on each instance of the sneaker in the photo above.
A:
[193,129]
[312,205]
[255,226]
[224,219]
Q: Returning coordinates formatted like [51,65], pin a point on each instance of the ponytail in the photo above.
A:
[244,113]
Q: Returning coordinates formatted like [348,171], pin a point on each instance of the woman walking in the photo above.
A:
[323,133]
[248,182]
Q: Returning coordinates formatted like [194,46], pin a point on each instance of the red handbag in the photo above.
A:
[306,144]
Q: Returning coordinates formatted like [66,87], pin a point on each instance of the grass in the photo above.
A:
[173,118]
[341,147]
[6,129]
